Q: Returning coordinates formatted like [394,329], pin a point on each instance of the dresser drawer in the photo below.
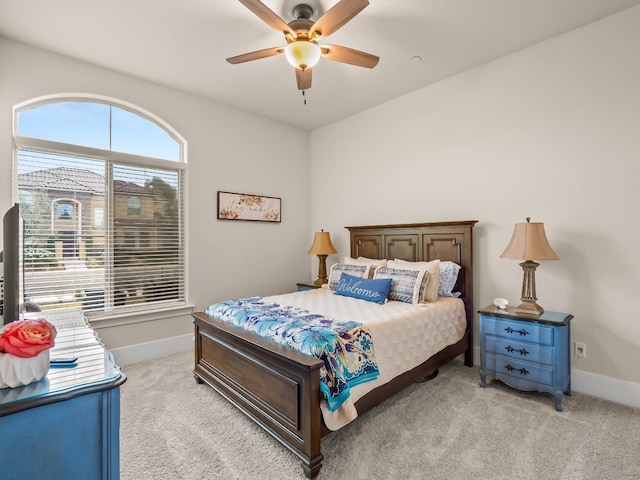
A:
[530,352]
[518,369]
[522,331]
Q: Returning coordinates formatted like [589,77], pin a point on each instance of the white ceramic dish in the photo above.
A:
[501,303]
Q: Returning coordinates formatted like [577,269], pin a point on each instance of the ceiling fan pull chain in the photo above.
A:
[304,97]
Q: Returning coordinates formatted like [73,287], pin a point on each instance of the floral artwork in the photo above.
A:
[241,206]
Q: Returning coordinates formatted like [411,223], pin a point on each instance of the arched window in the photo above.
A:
[65,209]
[100,187]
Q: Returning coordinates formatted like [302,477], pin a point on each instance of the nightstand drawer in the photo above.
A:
[520,370]
[527,332]
[530,352]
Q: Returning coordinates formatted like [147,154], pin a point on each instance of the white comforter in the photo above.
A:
[404,335]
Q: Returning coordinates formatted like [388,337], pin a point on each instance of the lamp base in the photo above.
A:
[528,307]
[528,296]
[322,271]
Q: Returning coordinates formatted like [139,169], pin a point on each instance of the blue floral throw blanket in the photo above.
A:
[344,347]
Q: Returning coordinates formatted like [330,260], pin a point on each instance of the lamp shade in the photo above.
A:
[302,54]
[322,244]
[529,242]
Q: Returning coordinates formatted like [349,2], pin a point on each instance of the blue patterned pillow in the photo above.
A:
[448,276]
[406,283]
[375,291]
[432,266]
[338,269]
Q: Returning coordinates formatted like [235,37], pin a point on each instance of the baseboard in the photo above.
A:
[619,391]
[608,388]
[151,350]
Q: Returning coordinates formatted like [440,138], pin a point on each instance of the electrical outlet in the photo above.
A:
[580,350]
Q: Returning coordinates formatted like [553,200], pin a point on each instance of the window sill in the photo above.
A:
[129,318]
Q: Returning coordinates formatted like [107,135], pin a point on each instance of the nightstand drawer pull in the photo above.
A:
[522,331]
[511,368]
[522,351]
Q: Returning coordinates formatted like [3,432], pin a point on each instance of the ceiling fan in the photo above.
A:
[303,34]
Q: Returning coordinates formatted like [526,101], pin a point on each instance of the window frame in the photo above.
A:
[152,311]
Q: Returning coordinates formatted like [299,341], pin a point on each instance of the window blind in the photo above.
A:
[100,234]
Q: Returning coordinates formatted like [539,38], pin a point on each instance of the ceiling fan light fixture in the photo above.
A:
[302,54]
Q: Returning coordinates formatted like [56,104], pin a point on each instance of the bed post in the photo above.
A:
[468,290]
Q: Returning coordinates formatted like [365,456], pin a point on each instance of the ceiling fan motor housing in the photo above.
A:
[302,11]
[302,22]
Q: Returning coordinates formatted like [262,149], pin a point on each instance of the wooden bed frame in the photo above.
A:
[279,388]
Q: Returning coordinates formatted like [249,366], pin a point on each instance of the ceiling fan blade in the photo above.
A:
[268,16]
[337,16]
[349,55]
[303,77]
[258,54]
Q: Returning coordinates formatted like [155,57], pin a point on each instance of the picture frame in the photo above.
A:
[249,207]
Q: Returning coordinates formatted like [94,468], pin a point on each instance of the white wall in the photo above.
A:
[227,150]
[551,132]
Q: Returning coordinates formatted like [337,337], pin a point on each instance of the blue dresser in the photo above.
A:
[66,426]
[525,352]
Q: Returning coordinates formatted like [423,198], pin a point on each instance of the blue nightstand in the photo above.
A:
[525,352]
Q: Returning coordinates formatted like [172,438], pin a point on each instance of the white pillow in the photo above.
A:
[433,267]
[371,262]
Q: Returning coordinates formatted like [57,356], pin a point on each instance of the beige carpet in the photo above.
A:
[448,428]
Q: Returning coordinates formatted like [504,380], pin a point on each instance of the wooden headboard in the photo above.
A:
[423,242]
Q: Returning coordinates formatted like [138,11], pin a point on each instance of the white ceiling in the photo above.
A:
[183,44]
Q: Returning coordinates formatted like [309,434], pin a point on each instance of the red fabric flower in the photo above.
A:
[27,338]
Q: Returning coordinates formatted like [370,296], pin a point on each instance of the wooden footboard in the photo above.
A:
[279,388]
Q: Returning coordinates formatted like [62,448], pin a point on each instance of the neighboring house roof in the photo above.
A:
[76,180]
[121,186]
[63,178]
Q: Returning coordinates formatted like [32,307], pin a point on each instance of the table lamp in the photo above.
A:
[529,242]
[322,247]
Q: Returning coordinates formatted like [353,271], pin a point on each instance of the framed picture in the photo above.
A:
[243,206]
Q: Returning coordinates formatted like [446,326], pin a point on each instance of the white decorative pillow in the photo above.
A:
[337,269]
[406,283]
[433,267]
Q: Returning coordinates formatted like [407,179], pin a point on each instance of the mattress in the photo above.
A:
[404,335]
